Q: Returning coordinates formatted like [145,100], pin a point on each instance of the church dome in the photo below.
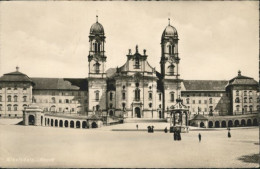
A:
[169,31]
[97,28]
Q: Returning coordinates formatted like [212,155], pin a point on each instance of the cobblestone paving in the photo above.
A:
[28,146]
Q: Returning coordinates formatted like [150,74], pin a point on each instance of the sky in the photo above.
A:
[50,38]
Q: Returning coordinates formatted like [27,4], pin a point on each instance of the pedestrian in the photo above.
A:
[165,130]
[199,137]
[137,127]
[149,129]
[229,135]
[152,129]
[174,135]
[179,135]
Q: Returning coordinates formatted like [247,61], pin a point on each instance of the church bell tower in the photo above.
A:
[97,84]
[170,68]
[170,56]
[97,57]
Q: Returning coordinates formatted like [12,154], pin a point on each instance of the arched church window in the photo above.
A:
[99,47]
[137,84]
[111,96]
[123,105]
[172,96]
[170,49]
[97,95]
[110,105]
[137,63]
[96,67]
[237,93]
[171,69]
[137,94]
[123,95]
[95,47]
[150,95]
[0,98]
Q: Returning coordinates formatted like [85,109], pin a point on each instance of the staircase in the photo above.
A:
[144,120]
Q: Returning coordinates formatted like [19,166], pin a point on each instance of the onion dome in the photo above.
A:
[97,28]
[169,31]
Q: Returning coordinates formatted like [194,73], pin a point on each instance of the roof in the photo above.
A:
[205,85]
[60,83]
[199,117]
[97,28]
[242,80]
[15,77]
[111,72]
[94,117]
[169,31]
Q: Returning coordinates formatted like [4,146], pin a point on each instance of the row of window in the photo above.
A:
[250,100]
[15,88]
[9,115]
[53,93]
[123,105]
[245,93]
[15,98]
[204,94]
[199,101]
[9,107]
[245,108]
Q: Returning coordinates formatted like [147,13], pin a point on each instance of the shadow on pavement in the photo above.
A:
[254,158]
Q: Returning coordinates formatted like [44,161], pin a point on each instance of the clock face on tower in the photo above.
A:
[96,58]
[171,60]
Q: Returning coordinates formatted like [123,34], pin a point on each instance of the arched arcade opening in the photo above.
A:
[31,120]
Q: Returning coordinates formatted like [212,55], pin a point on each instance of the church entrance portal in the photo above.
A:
[137,112]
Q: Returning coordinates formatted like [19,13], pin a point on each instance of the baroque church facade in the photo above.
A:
[134,90]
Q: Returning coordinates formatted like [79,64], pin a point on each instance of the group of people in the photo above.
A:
[150,129]
[177,135]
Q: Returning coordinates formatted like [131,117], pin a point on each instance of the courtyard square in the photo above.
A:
[30,146]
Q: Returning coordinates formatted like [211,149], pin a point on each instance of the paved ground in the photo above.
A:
[29,146]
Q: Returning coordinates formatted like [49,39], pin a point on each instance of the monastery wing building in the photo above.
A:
[133,90]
